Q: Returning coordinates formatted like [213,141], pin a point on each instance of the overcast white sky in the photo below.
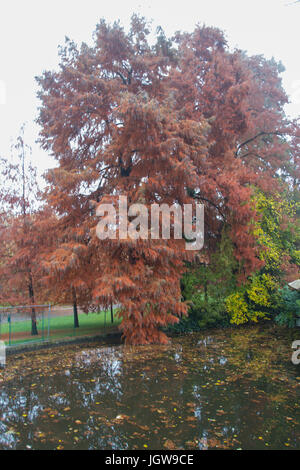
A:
[31,30]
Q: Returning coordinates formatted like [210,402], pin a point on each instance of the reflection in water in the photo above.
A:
[229,389]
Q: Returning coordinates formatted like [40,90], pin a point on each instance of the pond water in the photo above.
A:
[228,389]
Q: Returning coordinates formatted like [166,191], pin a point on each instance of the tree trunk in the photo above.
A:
[34,330]
[75,309]
[205,293]
[111,312]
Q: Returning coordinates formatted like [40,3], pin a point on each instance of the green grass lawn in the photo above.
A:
[60,327]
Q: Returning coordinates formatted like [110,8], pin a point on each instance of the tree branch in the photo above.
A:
[202,198]
[248,141]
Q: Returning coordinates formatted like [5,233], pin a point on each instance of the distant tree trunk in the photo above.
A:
[205,292]
[34,330]
[75,310]
[111,312]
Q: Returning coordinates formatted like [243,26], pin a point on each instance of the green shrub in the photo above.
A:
[206,287]
[289,307]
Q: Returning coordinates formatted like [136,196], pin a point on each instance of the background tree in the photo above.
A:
[19,269]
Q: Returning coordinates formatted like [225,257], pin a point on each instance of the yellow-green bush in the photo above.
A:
[255,301]
[237,308]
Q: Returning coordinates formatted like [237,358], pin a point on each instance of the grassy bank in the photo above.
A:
[59,327]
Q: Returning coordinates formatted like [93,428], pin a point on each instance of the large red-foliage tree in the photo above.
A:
[181,121]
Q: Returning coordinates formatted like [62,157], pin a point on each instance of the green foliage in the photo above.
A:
[278,232]
[289,307]
[213,292]
[206,287]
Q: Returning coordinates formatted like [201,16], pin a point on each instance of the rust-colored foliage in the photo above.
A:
[23,232]
[181,121]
